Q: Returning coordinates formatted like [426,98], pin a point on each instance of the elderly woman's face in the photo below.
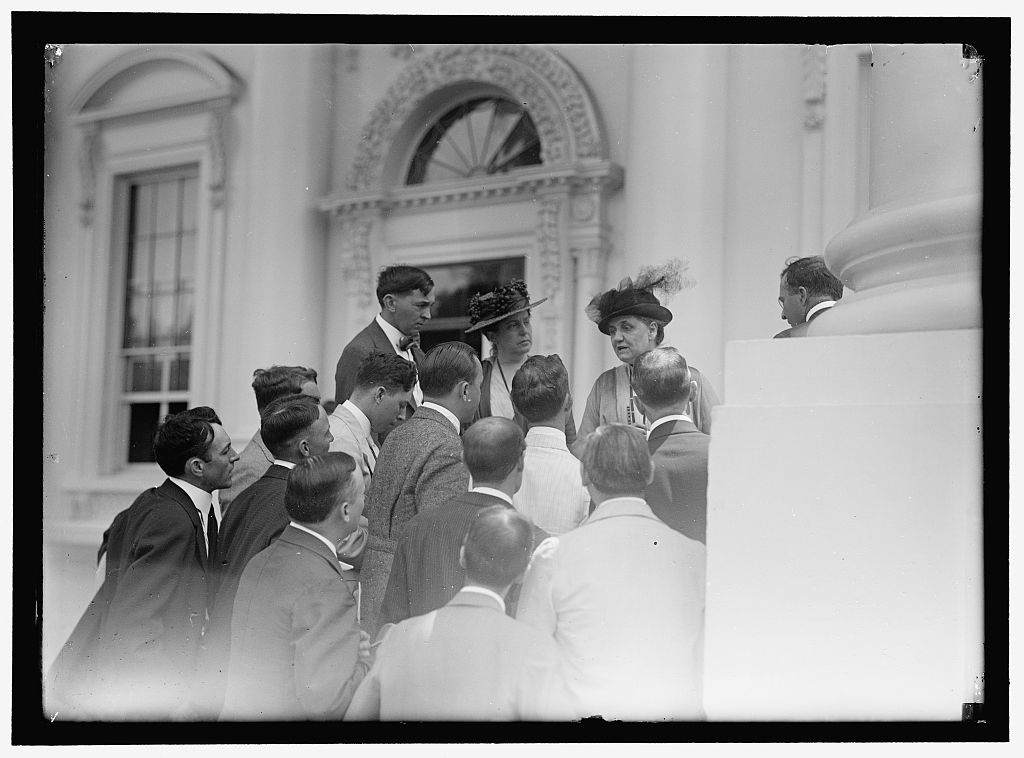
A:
[632,337]
[513,337]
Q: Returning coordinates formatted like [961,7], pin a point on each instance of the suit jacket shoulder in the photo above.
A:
[370,339]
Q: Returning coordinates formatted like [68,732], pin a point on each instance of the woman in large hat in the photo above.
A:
[503,315]
[633,317]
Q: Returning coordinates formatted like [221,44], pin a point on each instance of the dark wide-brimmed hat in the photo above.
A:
[500,303]
[637,298]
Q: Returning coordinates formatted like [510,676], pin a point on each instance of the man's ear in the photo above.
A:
[304,448]
[194,466]
[389,302]
[345,510]
[802,291]
[462,556]
[379,393]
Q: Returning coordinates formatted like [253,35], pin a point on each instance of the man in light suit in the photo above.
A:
[268,384]
[420,464]
[294,428]
[468,660]
[679,493]
[297,651]
[405,301]
[806,290]
[552,494]
[133,653]
[426,572]
[622,594]
[383,390]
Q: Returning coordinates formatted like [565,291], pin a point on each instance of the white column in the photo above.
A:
[675,189]
[914,259]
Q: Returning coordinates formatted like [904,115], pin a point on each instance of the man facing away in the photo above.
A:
[382,392]
[294,428]
[403,293]
[622,594]
[678,495]
[468,660]
[426,572]
[297,651]
[420,464]
[552,494]
[133,653]
[268,385]
[806,290]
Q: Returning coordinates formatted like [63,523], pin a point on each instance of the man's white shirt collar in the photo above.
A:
[286,464]
[323,539]
[364,422]
[392,333]
[485,591]
[548,434]
[666,419]
[819,307]
[444,412]
[493,492]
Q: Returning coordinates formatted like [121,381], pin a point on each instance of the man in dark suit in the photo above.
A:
[405,300]
[297,651]
[426,572]
[294,428]
[678,495]
[133,653]
[806,290]
[268,385]
[420,464]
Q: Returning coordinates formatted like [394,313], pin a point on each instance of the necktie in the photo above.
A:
[407,342]
[211,535]
[372,460]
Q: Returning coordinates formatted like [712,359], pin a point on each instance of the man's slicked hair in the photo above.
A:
[813,274]
[316,484]
[397,280]
[277,381]
[616,459]
[180,437]
[446,365]
[388,370]
[492,448]
[497,546]
[539,387]
[661,378]
[286,418]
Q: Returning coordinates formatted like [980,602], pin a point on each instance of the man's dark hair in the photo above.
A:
[316,484]
[278,381]
[397,280]
[497,546]
[446,365]
[813,274]
[180,437]
[388,370]
[286,418]
[491,448]
[661,378]
[206,413]
[539,387]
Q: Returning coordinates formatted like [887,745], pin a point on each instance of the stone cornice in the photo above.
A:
[585,175]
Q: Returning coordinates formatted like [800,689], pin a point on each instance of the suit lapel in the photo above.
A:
[177,494]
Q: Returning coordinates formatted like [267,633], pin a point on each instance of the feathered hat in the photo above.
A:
[636,297]
[499,303]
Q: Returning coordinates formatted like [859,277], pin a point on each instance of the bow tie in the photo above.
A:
[406,342]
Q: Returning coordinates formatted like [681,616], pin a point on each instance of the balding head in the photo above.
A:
[661,379]
[492,449]
[497,547]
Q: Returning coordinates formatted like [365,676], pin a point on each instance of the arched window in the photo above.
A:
[487,135]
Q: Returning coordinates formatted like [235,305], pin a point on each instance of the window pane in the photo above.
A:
[142,210]
[165,264]
[189,203]
[179,373]
[183,327]
[163,325]
[187,258]
[143,374]
[136,326]
[138,263]
[142,424]
[167,207]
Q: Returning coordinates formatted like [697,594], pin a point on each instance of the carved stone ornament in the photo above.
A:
[814,66]
[355,259]
[548,245]
[218,118]
[540,79]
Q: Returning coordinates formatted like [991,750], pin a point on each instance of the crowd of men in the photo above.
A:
[495,574]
